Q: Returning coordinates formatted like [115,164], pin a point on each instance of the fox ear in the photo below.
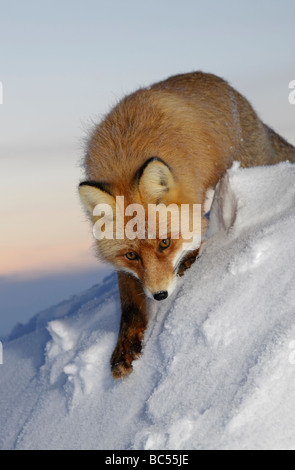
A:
[92,194]
[156,180]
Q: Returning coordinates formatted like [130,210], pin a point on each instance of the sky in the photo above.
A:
[63,64]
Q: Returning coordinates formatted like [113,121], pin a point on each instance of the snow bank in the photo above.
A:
[218,368]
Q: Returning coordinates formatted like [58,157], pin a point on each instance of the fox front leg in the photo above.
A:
[132,327]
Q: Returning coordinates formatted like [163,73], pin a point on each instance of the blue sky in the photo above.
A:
[64,63]
[68,61]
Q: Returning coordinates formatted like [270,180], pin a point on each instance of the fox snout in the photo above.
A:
[162,295]
[160,290]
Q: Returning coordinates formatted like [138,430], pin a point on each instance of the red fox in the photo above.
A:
[166,144]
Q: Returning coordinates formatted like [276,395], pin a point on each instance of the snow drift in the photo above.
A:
[218,367]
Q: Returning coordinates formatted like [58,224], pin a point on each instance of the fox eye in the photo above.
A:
[164,244]
[131,256]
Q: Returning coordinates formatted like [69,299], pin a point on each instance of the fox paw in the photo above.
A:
[123,356]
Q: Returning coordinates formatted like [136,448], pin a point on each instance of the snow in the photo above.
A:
[218,367]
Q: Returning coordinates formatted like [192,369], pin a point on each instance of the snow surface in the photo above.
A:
[218,367]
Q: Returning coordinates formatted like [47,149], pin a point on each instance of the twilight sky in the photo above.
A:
[64,63]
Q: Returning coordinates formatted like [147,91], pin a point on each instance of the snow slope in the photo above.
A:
[218,368]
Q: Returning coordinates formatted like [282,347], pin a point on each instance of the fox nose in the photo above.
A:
[161,295]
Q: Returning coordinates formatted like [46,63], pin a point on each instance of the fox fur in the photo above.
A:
[168,143]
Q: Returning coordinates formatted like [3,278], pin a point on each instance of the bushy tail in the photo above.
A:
[282,150]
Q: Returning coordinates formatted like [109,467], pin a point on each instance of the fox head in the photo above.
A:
[155,259]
